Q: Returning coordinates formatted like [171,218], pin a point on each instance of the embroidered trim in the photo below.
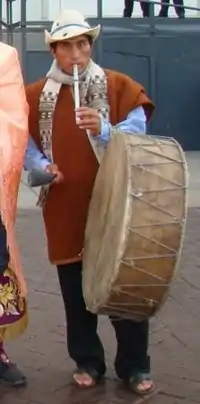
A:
[93,93]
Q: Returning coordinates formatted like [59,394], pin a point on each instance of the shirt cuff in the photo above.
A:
[44,163]
[104,136]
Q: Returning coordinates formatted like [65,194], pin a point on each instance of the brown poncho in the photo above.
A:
[66,209]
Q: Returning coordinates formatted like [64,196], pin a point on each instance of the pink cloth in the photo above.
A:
[13,141]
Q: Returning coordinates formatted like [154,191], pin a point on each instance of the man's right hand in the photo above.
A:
[53,168]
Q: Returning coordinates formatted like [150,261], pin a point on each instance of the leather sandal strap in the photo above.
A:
[139,377]
[90,371]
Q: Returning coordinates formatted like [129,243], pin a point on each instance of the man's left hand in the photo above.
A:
[89,119]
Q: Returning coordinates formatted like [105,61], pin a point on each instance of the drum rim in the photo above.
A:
[183,228]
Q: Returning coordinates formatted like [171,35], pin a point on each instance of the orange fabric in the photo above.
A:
[66,209]
[13,141]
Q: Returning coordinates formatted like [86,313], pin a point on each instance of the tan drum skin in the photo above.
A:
[135,227]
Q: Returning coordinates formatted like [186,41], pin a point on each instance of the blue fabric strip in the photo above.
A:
[68,25]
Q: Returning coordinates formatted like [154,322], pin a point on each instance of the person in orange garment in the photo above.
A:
[13,141]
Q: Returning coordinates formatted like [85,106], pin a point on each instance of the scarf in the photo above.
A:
[93,94]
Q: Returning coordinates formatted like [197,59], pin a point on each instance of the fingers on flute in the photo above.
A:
[86,122]
[84,112]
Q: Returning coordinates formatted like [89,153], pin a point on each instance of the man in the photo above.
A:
[13,141]
[61,143]
[128,9]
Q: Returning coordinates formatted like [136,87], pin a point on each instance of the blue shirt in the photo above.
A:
[134,123]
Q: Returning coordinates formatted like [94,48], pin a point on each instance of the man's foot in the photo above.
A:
[86,378]
[9,372]
[141,384]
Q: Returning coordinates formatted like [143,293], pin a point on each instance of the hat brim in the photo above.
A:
[73,32]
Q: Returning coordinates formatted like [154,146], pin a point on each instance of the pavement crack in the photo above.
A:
[190,283]
[184,307]
[176,337]
[189,379]
[177,396]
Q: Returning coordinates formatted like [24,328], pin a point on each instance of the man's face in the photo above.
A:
[73,51]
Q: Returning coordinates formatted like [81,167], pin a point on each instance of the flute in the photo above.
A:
[76,89]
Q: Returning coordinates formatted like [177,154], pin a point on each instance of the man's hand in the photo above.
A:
[88,118]
[53,168]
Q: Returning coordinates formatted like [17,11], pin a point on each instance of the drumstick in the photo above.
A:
[76,88]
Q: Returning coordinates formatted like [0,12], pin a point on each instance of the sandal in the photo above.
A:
[136,384]
[91,375]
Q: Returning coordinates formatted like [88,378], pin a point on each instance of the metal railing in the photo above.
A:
[9,24]
[141,39]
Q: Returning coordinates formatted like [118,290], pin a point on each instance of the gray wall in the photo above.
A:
[161,54]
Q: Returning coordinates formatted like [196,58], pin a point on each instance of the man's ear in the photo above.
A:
[52,50]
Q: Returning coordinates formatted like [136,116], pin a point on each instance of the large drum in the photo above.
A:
[135,226]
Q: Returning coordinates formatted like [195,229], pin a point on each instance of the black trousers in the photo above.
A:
[84,345]
[4,254]
[128,9]
[179,10]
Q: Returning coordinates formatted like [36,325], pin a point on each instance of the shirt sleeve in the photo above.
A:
[33,158]
[134,123]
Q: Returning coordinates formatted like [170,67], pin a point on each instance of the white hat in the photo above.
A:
[70,24]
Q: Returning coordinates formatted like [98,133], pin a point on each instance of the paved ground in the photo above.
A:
[175,333]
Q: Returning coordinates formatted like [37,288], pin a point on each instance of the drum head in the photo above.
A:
[135,226]
[106,230]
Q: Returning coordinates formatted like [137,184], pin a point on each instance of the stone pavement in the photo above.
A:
[175,332]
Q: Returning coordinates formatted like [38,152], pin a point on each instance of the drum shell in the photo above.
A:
[135,226]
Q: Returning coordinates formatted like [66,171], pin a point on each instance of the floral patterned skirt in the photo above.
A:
[13,308]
